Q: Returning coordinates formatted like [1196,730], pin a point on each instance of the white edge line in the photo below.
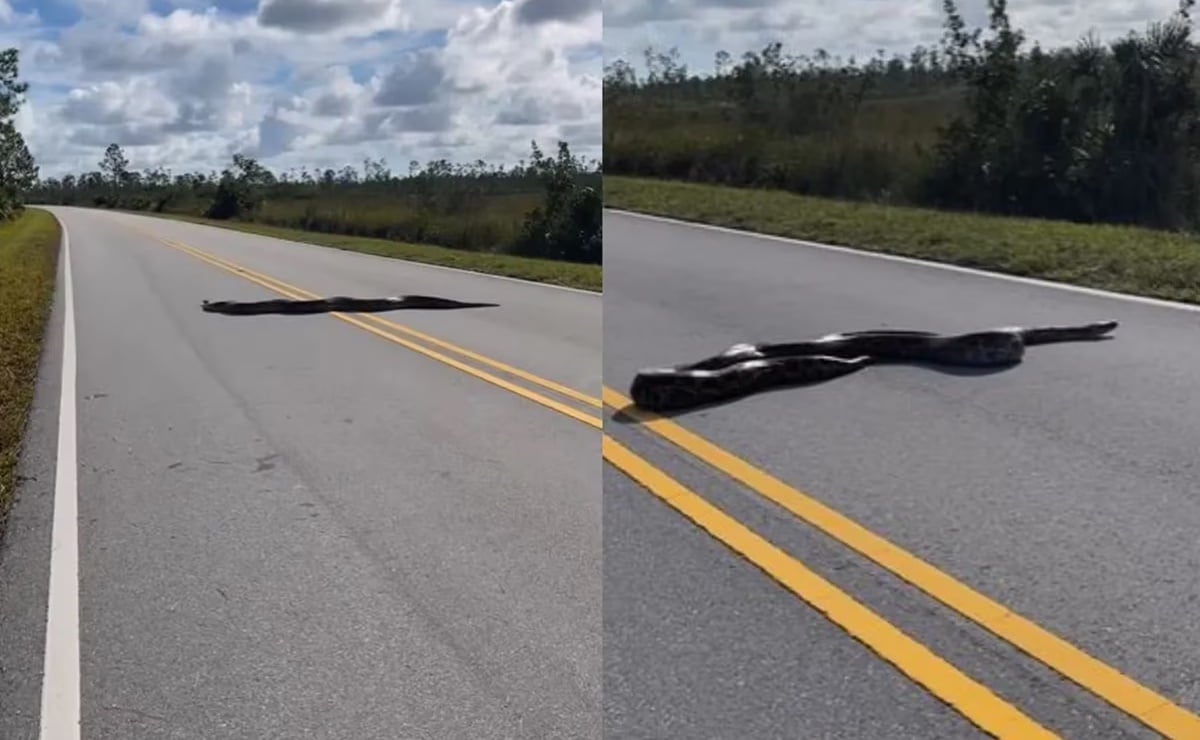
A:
[1096,292]
[60,713]
[373,256]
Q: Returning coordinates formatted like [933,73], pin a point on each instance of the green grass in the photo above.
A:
[28,261]
[1130,260]
[569,274]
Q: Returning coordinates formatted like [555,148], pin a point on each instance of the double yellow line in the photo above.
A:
[396,333]
[974,701]
[969,697]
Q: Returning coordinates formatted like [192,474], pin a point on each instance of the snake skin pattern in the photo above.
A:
[749,368]
[337,303]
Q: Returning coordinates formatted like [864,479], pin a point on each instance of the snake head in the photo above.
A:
[651,388]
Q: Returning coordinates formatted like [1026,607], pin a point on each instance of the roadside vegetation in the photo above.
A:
[29,242]
[28,260]
[985,150]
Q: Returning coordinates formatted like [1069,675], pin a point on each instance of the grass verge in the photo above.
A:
[29,249]
[1140,261]
[554,272]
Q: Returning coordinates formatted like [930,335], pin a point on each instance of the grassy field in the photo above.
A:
[28,260]
[881,153]
[476,223]
[1146,262]
[556,272]
[481,221]
[985,121]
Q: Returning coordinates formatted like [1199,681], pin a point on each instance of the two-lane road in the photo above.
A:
[1066,489]
[297,526]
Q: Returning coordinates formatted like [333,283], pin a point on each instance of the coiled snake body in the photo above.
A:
[337,303]
[748,368]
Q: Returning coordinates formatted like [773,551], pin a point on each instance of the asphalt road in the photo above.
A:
[1064,488]
[290,527]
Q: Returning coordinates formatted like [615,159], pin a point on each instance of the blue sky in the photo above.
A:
[184,84]
[699,28]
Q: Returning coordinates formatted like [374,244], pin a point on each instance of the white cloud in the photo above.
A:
[516,63]
[137,100]
[310,82]
[699,28]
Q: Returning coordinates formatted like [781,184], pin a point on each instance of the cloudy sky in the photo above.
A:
[699,28]
[185,84]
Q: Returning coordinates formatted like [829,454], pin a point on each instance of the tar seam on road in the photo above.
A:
[1118,690]
[278,286]
[974,701]
[1095,292]
[60,712]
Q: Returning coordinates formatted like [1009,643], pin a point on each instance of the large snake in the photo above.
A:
[337,303]
[749,368]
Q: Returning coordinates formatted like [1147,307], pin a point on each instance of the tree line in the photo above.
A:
[546,207]
[984,122]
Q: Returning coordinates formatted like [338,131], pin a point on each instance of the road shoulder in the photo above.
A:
[25,548]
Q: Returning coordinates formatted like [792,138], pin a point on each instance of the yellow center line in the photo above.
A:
[482,359]
[974,701]
[1143,704]
[269,283]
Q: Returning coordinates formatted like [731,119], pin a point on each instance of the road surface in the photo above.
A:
[1066,489]
[292,526]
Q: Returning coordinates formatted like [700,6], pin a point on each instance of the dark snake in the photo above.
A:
[337,304]
[750,368]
